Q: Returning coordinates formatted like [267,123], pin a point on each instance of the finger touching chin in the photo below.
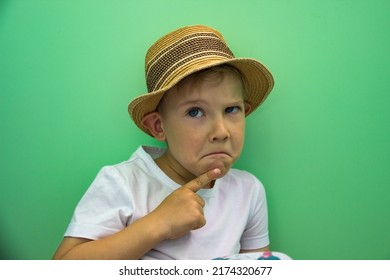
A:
[223,167]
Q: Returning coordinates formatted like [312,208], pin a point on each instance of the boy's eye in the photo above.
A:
[195,113]
[233,109]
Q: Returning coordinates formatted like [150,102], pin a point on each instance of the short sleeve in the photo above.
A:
[105,208]
[256,235]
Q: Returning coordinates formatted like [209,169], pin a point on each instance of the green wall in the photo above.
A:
[320,143]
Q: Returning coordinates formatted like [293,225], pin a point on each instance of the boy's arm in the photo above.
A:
[130,243]
[179,213]
[264,249]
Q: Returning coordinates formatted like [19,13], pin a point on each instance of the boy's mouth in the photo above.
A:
[217,154]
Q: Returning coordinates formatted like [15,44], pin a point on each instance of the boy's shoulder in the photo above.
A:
[143,154]
[139,163]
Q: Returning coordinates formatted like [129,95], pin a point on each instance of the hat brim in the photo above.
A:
[258,83]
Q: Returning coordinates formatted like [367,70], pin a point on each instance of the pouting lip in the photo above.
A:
[216,153]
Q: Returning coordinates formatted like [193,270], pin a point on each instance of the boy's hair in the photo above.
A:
[214,74]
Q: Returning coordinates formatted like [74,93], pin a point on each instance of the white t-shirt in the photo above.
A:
[235,211]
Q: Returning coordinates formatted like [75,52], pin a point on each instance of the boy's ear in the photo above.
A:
[247,107]
[152,122]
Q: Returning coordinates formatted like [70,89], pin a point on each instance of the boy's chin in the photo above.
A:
[223,167]
[223,173]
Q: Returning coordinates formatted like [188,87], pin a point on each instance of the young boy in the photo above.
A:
[185,201]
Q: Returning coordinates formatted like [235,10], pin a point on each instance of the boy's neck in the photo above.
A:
[175,171]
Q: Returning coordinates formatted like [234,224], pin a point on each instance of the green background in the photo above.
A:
[320,143]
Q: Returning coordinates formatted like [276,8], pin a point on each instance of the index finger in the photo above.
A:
[201,181]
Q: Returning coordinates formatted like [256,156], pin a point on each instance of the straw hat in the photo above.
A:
[185,51]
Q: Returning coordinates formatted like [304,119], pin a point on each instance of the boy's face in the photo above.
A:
[204,126]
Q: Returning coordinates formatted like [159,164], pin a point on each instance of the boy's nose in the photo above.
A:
[219,130]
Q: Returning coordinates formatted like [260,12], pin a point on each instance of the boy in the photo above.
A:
[185,201]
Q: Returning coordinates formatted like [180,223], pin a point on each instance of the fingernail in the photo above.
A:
[217,171]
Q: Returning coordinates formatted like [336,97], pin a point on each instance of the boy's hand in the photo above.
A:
[182,210]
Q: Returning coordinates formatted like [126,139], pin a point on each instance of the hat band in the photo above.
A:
[182,52]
